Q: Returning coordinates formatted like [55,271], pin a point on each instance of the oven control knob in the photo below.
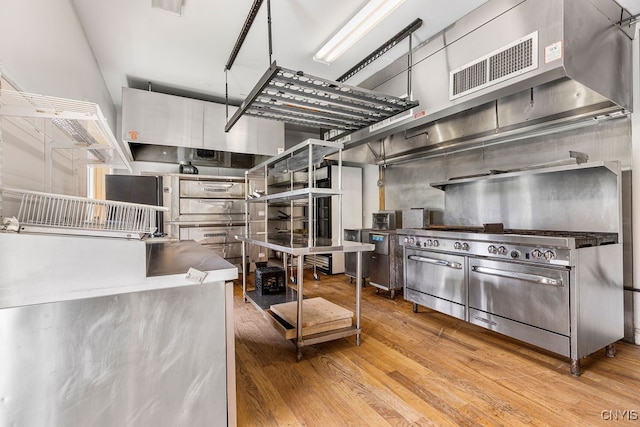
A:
[549,255]
[457,245]
[429,242]
[492,249]
[515,254]
[418,243]
[502,250]
[436,243]
[465,246]
[412,240]
[535,254]
[406,240]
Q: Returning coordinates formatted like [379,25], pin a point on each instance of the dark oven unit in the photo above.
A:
[560,291]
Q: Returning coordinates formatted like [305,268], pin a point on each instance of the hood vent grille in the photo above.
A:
[512,60]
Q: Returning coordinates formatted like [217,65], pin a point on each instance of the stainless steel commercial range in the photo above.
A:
[559,286]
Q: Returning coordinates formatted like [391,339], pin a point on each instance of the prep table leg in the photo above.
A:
[244,271]
[299,342]
[358,293]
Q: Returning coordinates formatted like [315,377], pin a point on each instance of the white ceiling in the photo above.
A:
[135,44]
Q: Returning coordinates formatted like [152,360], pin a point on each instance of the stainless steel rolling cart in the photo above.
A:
[295,235]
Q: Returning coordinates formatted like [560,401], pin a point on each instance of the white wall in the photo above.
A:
[635,184]
[43,50]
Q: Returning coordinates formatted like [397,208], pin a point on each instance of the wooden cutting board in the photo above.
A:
[315,311]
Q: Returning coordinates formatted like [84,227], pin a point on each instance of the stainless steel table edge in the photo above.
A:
[300,252]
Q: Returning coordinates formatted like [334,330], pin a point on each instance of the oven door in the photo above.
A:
[212,189]
[527,294]
[436,280]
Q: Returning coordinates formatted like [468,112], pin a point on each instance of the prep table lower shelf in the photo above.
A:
[312,334]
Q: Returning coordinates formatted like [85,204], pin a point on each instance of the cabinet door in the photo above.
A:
[156,118]
[250,135]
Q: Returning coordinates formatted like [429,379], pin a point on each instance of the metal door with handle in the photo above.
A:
[212,189]
[533,295]
[436,274]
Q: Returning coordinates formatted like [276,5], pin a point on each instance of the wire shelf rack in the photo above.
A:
[60,214]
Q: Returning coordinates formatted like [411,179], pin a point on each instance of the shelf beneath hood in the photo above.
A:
[82,123]
[611,166]
[299,98]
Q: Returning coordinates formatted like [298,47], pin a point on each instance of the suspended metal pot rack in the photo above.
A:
[300,98]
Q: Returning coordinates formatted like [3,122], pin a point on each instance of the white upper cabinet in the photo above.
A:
[250,135]
[156,118]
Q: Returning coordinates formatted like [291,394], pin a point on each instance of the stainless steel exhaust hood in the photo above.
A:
[508,65]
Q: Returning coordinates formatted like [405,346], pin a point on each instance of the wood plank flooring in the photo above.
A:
[420,369]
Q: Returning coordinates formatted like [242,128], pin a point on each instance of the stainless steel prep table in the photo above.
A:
[300,248]
[104,331]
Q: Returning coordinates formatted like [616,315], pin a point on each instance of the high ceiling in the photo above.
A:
[135,44]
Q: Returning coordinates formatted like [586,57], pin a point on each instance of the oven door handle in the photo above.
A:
[441,262]
[542,280]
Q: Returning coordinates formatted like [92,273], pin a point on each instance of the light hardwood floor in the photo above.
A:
[420,369]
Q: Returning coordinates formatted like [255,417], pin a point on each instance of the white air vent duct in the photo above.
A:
[512,60]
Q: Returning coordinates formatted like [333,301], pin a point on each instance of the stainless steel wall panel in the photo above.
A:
[407,184]
[556,201]
[152,358]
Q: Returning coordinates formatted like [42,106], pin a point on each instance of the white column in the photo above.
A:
[635,183]
[1,143]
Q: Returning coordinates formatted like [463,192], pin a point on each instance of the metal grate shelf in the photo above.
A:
[296,97]
[61,214]
[82,122]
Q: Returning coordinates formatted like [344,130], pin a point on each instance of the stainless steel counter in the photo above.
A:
[103,331]
[300,246]
[169,258]
[40,268]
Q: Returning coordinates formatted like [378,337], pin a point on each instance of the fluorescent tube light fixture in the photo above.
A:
[171,6]
[366,19]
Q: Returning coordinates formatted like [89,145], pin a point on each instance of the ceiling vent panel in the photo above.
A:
[509,61]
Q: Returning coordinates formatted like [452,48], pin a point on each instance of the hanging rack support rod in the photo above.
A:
[243,33]
[404,33]
[269,30]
